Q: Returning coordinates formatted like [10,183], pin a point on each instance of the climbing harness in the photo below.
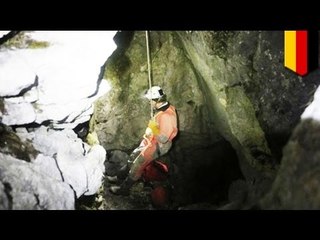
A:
[149,70]
[144,148]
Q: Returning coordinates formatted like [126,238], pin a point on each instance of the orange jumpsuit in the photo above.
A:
[156,146]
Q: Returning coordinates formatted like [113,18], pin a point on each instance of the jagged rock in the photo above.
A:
[48,166]
[226,85]
[313,109]
[116,160]
[14,78]
[18,113]
[3,33]
[26,188]
[19,110]
[80,165]
[4,201]
[65,69]
[59,156]
[11,144]
[296,186]
[94,165]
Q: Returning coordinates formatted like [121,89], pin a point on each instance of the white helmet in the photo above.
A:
[154,92]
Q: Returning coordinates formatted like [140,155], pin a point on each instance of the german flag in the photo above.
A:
[301,51]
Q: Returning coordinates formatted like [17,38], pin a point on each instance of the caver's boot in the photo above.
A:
[123,172]
[121,175]
[124,188]
[112,179]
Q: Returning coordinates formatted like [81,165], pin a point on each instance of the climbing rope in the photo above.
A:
[149,143]
[149,70]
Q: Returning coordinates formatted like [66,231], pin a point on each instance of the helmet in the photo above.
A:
[154,92]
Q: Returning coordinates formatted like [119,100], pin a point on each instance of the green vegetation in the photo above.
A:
[92,139]
[1,105]
[22,40]
[10,143]
[38,44]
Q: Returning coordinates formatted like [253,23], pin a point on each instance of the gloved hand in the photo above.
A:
[138,149]
[154,127]
[148,132]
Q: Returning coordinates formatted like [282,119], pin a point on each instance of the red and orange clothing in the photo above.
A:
[159,143]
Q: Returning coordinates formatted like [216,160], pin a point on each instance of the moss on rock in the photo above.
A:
[23,40]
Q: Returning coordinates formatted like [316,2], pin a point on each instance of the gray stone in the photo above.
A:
[226,85]
[296,186]
[61,80]
[79,164]
[29,189]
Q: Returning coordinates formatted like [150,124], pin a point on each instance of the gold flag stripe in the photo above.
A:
[290,50]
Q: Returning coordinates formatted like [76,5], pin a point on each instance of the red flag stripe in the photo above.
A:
[302,52]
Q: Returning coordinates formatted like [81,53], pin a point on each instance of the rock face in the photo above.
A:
[297,183]
[237,106]
[23,186]
[231,90]
[50,170]
[51,79]
[80,165]
[54,76]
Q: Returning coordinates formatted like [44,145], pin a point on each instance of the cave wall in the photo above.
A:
[228,87]
[296,186]
[255,101]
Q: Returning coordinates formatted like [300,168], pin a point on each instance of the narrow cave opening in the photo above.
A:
[205,174]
